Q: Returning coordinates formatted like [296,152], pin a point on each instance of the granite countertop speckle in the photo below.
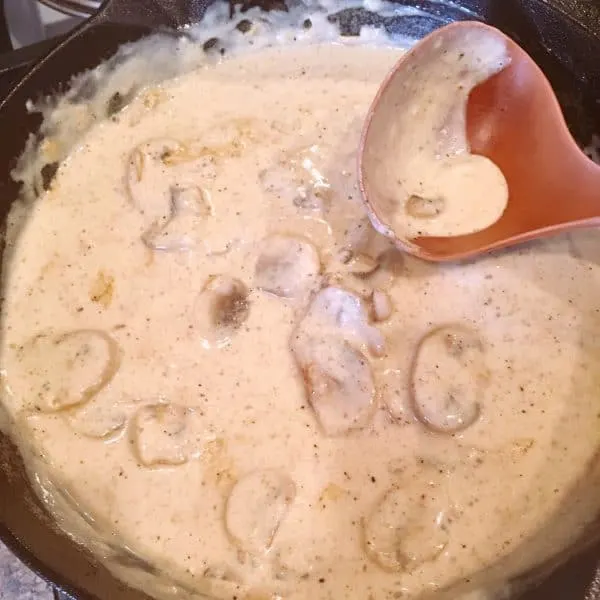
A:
[17,582]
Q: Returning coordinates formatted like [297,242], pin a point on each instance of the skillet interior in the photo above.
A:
[564,48]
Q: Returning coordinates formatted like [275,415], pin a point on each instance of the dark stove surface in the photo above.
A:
[15,63]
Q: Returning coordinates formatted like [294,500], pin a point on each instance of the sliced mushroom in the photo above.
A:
[230,307]
[376,267]
[382,307]
[449,378]
[98,419]
[257,505]
[298,176]
[337,376]
[423,208]
[338,312]
[394,393]
[287,266]
[361,265]
[191,199]
[406,530]
[185,227]
[67,370]
[339,385]
[357,286]
[148,182]
[222,308]
[164,434]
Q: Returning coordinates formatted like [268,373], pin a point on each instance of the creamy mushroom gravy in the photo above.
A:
[420,177]
[226,384]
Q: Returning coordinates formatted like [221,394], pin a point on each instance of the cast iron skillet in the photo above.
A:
[562,35]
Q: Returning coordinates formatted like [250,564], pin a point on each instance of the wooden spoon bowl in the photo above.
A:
[515,120]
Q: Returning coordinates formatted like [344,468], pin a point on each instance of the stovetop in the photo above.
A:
[27,31]
[17,582]
[31,21]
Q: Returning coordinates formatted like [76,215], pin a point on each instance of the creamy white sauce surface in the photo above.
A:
[227,385]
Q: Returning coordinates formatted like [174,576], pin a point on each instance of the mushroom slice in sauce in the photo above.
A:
[339,384]
[381,306]
[406,530]
[366,263]
[98,419]
[338,377]
[288,266]
[361,265]
[182,230]
[164,434]
[423,208]
[257,505]
[448,378]
[222,308]
[147,182]
[67,370]
[339,312]
[298,176]
[395,396]
[364,274]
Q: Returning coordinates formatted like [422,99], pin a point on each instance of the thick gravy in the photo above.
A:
[225,383]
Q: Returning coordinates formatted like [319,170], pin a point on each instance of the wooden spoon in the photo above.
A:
[515,120]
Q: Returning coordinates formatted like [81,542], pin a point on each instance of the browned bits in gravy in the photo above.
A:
[230,305]
[102,289]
